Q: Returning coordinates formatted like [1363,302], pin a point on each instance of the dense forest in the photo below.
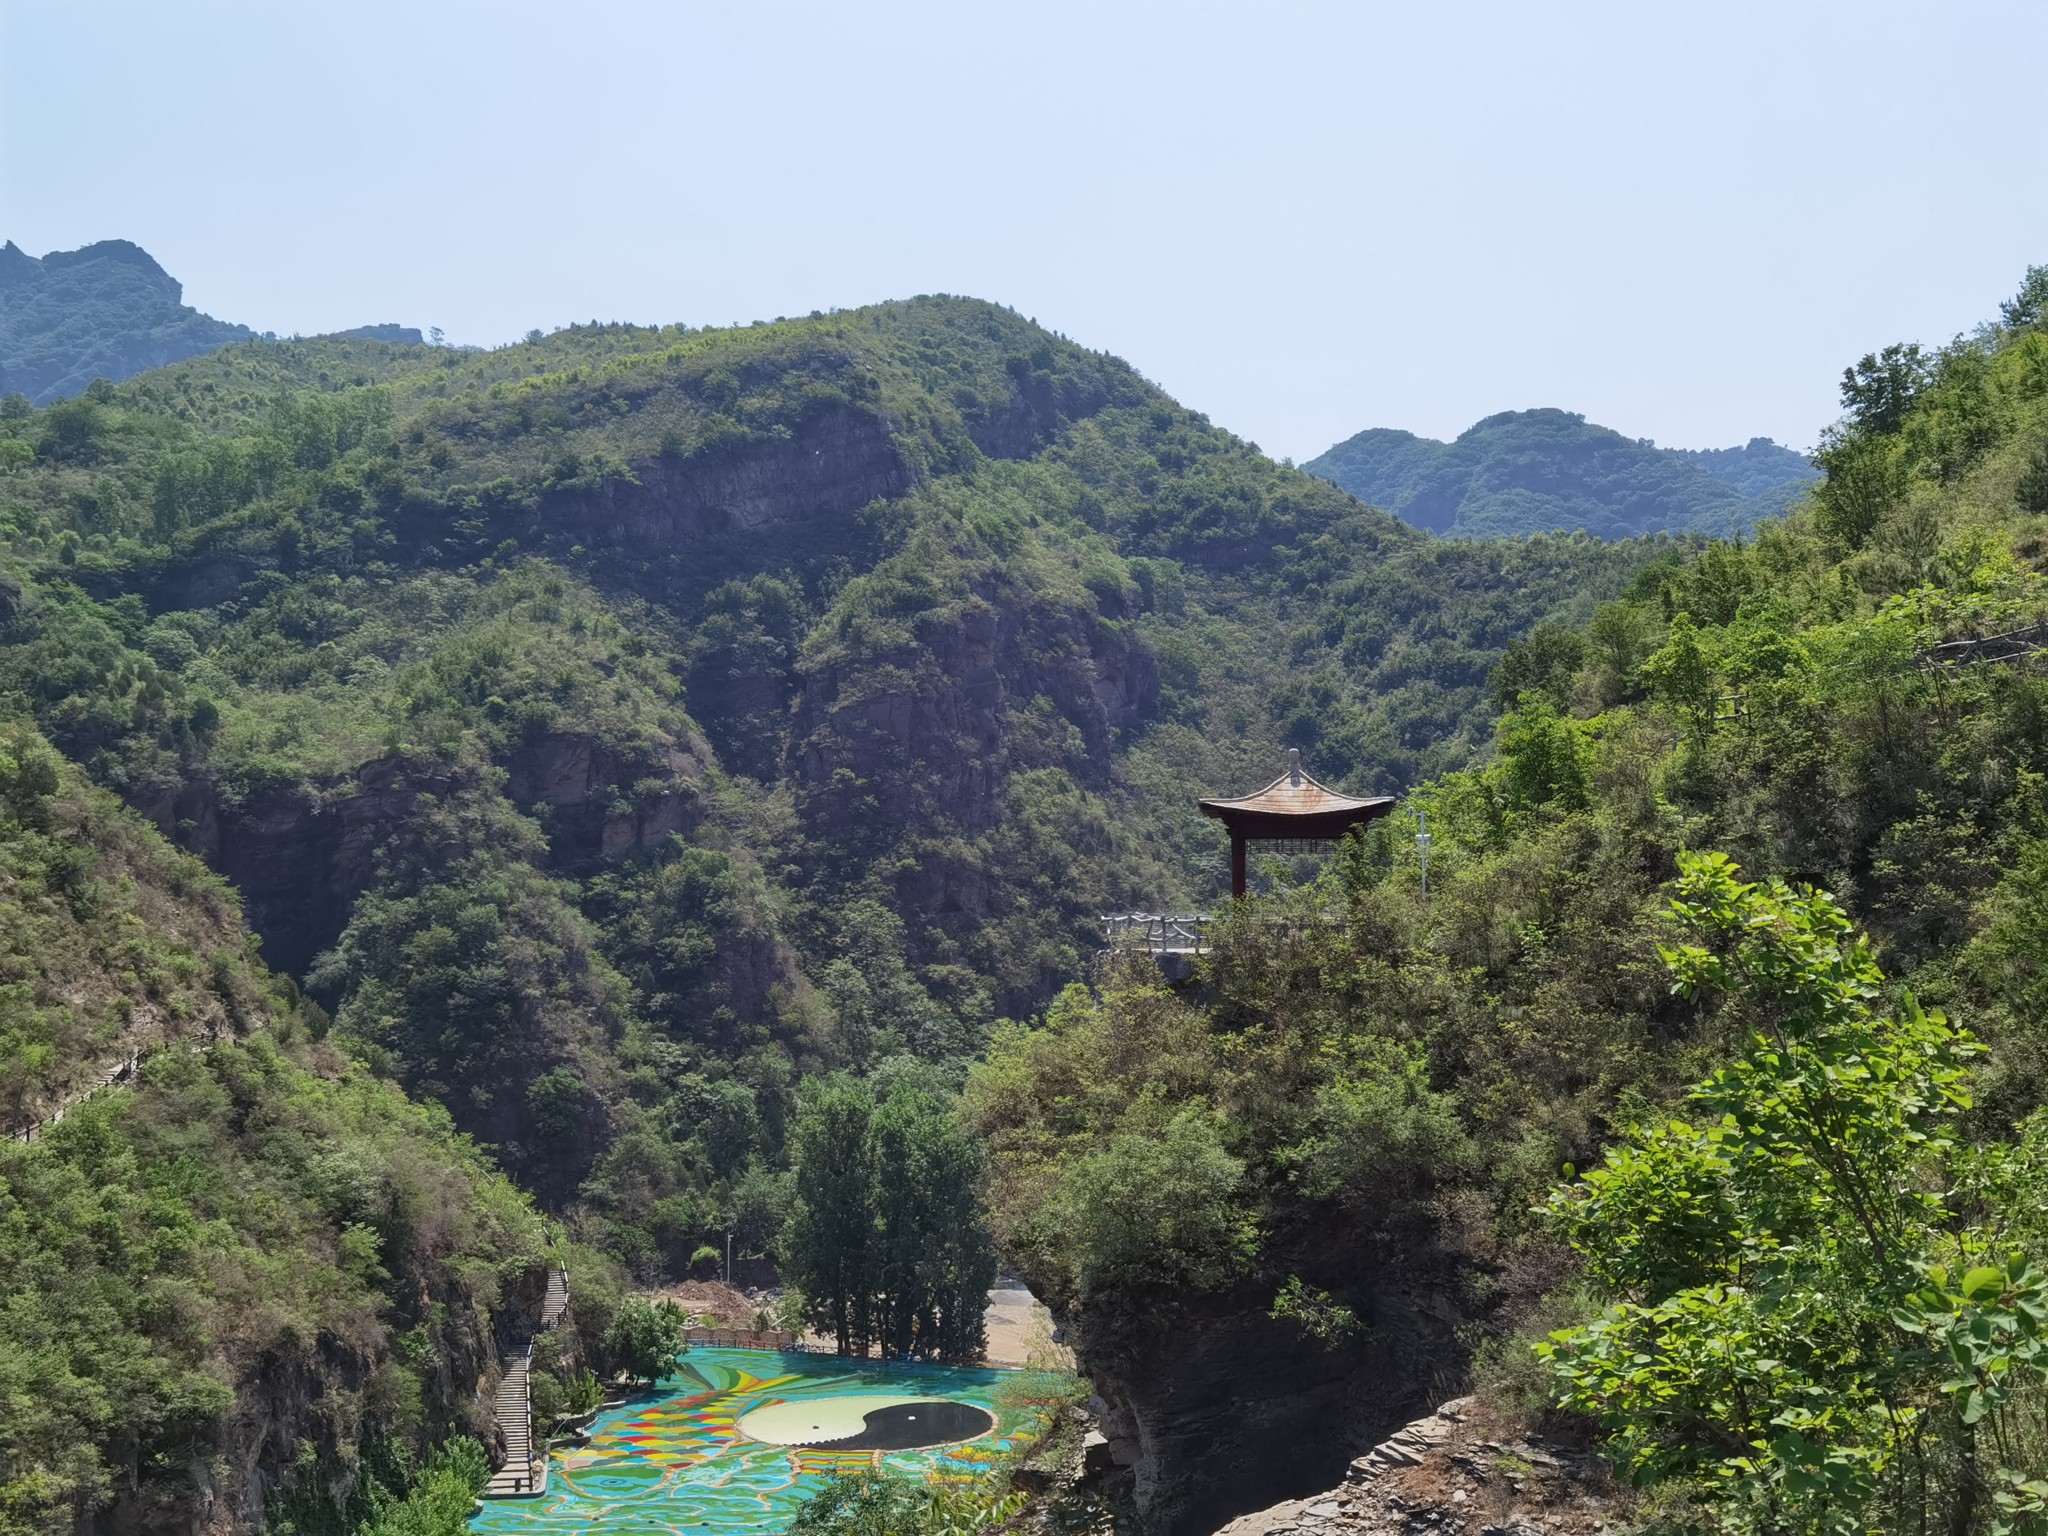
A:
[611,729]
[1527,472]
[1701,1096]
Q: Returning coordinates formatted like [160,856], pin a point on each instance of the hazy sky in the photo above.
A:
[1303,219]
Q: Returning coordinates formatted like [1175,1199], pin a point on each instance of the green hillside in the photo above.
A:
[1527,472]
[614,728]
[103,311]
[1749,1143]
[249,1281]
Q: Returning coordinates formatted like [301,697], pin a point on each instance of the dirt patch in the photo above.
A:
[1020,1331]
[712,1298]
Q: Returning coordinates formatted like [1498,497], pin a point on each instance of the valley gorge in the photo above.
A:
[492,794]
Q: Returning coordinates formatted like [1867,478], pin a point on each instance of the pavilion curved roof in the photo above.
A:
[1296,796]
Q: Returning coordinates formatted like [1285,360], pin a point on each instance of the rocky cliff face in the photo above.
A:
[836,461]
[604,801]
[1220,1408]
[300,854]
[1456,1472]
[314,1395]
[932,730]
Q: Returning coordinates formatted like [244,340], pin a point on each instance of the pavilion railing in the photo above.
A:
[1162,933]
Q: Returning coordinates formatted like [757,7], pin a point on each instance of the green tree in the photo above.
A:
[1681,675]
[1543,758]
[644,1339]
[828,1248]
[936,1260]
[887,1238]
[1157,1205]
[1879,389]
[1800,1327]
[2031,494]
[1545,662]
[2028,307]
[875,1503]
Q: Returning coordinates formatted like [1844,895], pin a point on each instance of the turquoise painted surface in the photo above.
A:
[672,1462]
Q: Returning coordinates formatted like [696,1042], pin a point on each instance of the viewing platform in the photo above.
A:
[1293,814]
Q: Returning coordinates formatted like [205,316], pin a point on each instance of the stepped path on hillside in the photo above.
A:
[122,1071]
[524,1474]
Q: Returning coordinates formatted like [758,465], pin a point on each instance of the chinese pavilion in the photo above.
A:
[1293,811]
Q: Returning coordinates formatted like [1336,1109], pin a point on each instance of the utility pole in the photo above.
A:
[1422,848]
[728,1257]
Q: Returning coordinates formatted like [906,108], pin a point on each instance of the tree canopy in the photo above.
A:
[886,1240]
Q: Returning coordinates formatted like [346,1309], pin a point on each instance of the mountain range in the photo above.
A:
[460,810]
[1542,471]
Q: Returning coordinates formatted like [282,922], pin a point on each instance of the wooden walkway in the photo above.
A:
[525,1472]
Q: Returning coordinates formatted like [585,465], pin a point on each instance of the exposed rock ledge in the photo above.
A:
[1453,1474]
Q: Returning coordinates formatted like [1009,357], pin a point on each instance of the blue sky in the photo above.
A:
[1303,219]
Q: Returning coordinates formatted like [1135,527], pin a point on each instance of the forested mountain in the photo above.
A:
[108,311]
[103,311]
[613,728]
[1750,1142]
[1525,472]
[612,734]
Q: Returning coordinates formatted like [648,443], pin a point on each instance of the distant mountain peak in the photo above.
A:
[106,311]
[119,252]
[1545,469]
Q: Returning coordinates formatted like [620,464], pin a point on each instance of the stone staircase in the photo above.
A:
[525,1472]
[521,1476]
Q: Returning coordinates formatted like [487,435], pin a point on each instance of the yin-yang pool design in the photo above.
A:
[863,1423]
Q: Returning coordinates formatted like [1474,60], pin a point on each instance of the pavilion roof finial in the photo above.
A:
[1294,765]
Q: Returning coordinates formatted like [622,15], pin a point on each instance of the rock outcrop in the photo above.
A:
[1219,1407]
[300,854]
[934,729]
[1453,1473]
[836,461]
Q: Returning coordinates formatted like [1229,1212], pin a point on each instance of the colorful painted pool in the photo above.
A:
[677,1462]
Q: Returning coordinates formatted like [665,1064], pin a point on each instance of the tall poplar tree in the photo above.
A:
[887,1241]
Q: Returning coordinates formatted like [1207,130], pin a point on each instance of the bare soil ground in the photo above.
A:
[1020,1331]
[712,1298]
